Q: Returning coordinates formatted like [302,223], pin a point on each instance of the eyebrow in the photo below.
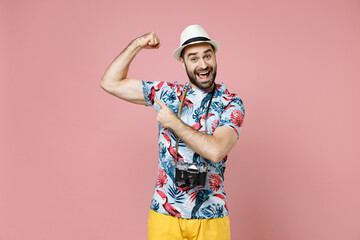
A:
[195,53]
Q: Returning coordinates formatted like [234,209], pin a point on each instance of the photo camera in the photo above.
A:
[190,174]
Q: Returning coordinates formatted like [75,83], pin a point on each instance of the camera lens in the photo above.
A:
[191,181]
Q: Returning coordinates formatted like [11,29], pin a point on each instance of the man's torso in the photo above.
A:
[227,110]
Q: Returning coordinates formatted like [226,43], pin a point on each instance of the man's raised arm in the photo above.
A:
[115,79]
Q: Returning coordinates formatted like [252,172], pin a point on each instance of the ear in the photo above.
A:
[182,62]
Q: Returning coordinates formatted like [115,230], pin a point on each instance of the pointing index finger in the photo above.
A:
[161,104]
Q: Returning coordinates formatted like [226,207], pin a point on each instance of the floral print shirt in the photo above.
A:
[226,109]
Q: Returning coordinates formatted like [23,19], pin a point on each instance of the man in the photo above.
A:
[200,122]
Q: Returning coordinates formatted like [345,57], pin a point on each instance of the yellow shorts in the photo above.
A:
[166,227]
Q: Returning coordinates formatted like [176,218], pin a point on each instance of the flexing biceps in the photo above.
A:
[127,89]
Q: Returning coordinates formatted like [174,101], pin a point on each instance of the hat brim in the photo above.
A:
[177,52]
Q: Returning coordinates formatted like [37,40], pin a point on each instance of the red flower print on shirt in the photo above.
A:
[193,194]
[214,125]
[237,117]
[162,178]
[215,182]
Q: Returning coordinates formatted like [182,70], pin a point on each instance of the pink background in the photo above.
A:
[78,163]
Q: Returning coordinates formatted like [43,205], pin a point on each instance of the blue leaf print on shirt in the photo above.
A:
[214,210]
[162,151]
[176,194]
[198,160]
[201,197]
[154,205]
[181,143]
[169,168]
[217,107]
[205,102]
[198,113]
[170,97]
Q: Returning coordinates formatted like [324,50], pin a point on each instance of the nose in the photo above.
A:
[203,63]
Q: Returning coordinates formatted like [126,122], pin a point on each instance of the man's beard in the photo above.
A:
[192,78]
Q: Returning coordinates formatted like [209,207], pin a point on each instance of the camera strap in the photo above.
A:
[179,115]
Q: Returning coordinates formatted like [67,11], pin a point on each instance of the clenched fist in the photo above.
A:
[149,41]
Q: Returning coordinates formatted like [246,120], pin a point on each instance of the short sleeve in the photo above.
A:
[233,115]
[150,90]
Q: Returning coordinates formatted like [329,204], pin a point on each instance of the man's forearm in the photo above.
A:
[204,144]
[118,69]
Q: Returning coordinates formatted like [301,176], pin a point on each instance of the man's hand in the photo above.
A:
[166,117]
[149,41]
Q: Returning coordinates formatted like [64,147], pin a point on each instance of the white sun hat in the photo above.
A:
[191,35]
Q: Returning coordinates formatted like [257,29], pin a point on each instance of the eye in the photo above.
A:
[193,59]
[207,57]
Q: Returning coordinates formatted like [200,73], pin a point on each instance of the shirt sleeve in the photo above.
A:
[233,115]
[151,90]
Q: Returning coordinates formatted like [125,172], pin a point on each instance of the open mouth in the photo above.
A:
[203,75]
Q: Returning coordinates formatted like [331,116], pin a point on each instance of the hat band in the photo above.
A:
[195,39]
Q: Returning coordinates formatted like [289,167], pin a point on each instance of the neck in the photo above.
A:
[193,86]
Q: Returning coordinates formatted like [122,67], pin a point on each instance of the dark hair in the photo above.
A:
[183,51]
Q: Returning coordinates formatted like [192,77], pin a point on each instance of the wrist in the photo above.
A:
[135,46]
[176,124]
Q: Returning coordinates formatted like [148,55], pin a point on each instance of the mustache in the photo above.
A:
[208,68]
